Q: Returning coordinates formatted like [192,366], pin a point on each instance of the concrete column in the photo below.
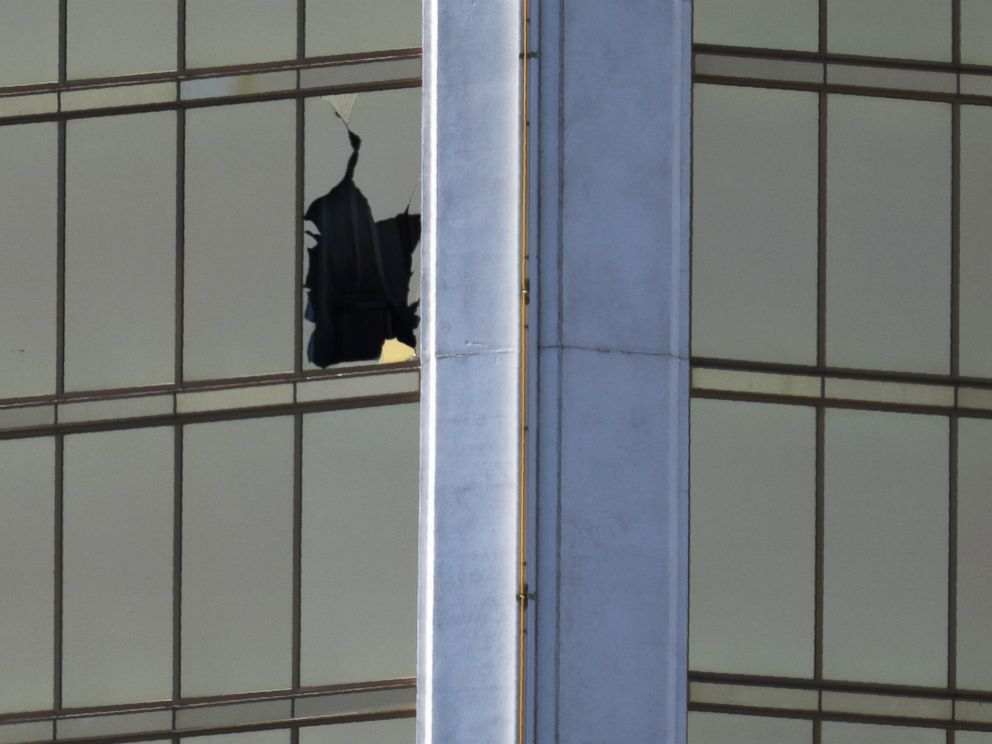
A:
[611,382]
[470,360]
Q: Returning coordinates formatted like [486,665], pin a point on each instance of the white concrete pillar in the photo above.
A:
[469,432]
[613,129]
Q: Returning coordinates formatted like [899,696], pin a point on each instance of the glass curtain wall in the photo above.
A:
[842,372]
[204,536]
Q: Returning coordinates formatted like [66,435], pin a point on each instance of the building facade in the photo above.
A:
[208,539]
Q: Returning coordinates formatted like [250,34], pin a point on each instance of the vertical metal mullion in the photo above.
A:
[298,221]
[60,262]
[819,544]
[63,40]
[58,570]
[952,552]
[180,242]
[297,546]
[301,29]
[955,239]
[956,31]
[821,235]
[177,565]
[822,15]
[181,37]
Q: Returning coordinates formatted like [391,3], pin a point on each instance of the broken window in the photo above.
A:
[359,272]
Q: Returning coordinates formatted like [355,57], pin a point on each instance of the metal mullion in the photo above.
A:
[181,37]
[955,240]
[821,234]
[818,559]
[177,566]
[956,32]
[63,40]
[58,571]
[822,27]
[298,221]
[952,552]
[180,279]
[297,548]
[60,263]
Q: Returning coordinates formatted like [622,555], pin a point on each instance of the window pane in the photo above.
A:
[120,37]
[753,514]
[277,736]
[117,595]
[240,231]
[973,737]
[913,29]
[396,731]
[28,273]
[885,548]
[974,593]
[120,250]
[857,733]
[976,226]
[360,501]
[888,234]
[718,728]
[976,41]
[388,170]
[29,41]
[26,566]
[755,224]
[772,24]
[237,611]
[234,32]
[345,26]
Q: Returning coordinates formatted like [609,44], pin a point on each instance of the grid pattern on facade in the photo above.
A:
[840,377]
[210,535]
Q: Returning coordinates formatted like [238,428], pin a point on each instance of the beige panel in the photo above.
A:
[121,95]
[28,271]
[360,486]
[772,24]
[752,539]
[29,41]
[974,609]
[26,566]
[718,728]
[120,251]
[886,705]
[912,29]
[237,556]
[348,26]
[120,37]
[117,595]
[753,696]
[758,67]
[885,548]
[234,32]
[754,224]
[888,234]
[240,230]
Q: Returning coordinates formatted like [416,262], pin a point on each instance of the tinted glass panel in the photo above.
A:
[976,226]
[396,731]
[120,37]
[234,32]
[117,594]
[754,224]
[888,234]
[772,24]
[914,29]
[360,501]
[344,26]
[752,538]
[240,231]
[237,556]
[26,569]
[28,301]
[120,250]
[29,41]
[885,548]
[716,728]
